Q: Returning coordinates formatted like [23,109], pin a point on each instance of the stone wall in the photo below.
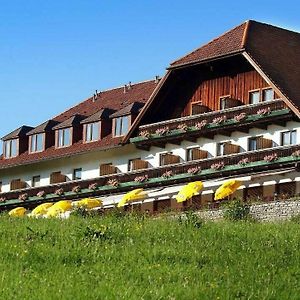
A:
[280,210]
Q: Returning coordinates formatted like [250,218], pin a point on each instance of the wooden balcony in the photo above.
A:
[224,122]
[17,184]
[107,169]
[139,164]
[57,177]
[240,164]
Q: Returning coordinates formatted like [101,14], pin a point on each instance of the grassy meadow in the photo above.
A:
[135,257]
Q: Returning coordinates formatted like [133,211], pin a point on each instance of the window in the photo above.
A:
[223,103]
[132,163]
[92,132]
[221,149]
[169,159]
[0,186]
[254,97]
[289,138]
[121,125]
[252,144]
[77,174]
[199,108]
[64,137]
[10,148]
[36,181]
[37,143]
[267,94]
[195,153]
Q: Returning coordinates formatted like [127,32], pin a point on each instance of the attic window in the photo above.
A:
[64,137]
[92,132]
[37,143]
[121,125]
[11,148]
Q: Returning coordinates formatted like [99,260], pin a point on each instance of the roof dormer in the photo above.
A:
[68,132]
[15,142]
[123,118]
[41,137]
[96,126]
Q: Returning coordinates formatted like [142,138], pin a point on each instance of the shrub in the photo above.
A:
[244,161]
[76,189]
[296,153]
[141,179]
[271,157]
[59,192]
[93,186]
[167,174]
[183,127]
[23,197]
[264,111]
[218,166]
[219,120]
[2,200]
[41,194]
[201,124]
[194,170]
[144,134]
[296,219]
[162,131]
[236,210]
[240,117]
[113,182]
[190,218]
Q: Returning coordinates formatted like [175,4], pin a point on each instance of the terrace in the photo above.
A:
[203,169]
[224,122]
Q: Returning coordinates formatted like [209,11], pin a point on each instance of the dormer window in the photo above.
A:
[11,148]
[92,132]
[64,137]
[121,125]
[37,143]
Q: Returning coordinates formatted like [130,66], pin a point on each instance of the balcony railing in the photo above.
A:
[218,122]
[224,166]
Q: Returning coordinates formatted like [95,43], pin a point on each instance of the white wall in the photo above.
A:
[119,157]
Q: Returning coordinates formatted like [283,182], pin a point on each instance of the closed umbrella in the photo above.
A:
[227,189]
[59,208]
[88,203]
[189,190]
[135,195]
[17,212]
[41,209]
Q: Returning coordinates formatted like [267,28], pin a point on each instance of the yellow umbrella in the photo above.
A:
[227,189]
[88,203]
[189,190]
[59,208]
[17,212]
[41,209]
[135,195]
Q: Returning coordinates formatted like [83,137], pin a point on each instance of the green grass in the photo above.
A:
[117,257]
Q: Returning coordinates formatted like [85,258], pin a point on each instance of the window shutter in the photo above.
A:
[198,108]
[231,148]
[198,154]
[17,184]
[57,177]
[107,169]
[169,159]
[263,143]
[230,102]
[139,164]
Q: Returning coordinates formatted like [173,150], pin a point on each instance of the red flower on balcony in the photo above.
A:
[167,174]
[296,153]
[219,120]
[264,111]
[76,189]
[113,182]
[162,131]
[271,157]
[2,200]
[23,197]
[59,192]
[240,117]
[93,186]
[194,170]
[201,125]
[141,179]
[218,166]
[243,161]
[144,134]
[41,194]
[182,127]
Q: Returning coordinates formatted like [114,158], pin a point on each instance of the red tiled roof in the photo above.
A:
[227,43]
[114,99]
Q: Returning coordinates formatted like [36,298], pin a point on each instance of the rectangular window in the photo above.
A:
[77,174]
[64,137]
[11,148]
[254,97]
[267,94]
[36,181]
[252,144]
[37,143]
[289,138]
[121,125]
[221,149]
[92,132]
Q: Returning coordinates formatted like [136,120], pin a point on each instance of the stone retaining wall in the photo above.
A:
[263,212]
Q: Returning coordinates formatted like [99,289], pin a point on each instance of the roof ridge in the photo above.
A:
[208,43]
[102,91]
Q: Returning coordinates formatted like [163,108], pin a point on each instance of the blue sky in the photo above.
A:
[54,54]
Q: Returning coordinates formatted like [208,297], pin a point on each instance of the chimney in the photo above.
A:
[94,97]
[125,88]
[157,79]
[129,85]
